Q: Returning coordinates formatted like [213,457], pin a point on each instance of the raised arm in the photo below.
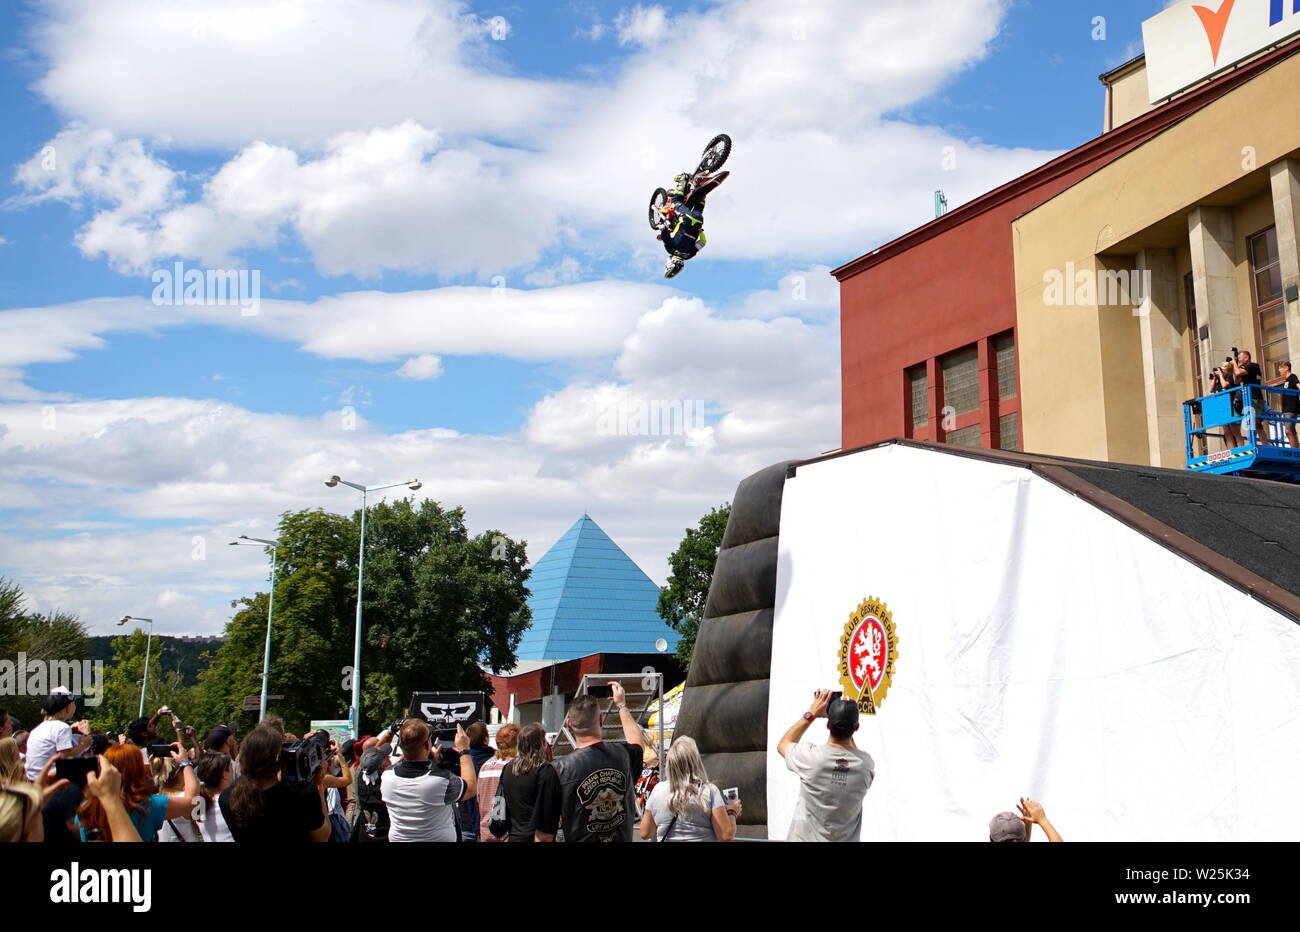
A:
[466,765]
[1032,812]
[183,806]
[344,779]
[631,730]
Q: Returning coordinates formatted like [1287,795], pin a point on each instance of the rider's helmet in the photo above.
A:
[680,182]
[673,266]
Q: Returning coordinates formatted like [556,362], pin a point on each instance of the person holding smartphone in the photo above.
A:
[148,809]
[833,777]
[591,792]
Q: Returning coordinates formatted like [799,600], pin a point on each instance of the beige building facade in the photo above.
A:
[1134,283]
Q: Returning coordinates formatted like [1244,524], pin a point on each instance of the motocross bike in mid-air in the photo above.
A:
[678,215]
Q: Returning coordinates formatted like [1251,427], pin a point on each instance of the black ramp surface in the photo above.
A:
[1255,524]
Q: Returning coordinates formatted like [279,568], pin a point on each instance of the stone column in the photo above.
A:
[1214,277]
[1285,176]
[1160,319]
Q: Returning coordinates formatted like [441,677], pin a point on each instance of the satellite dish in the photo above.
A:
[661,645]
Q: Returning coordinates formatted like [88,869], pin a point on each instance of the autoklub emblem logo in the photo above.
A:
[868,651]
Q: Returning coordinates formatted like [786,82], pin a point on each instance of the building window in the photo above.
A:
[1004,349]
[978,392]
[961,383]
[1270,309]
[1194,332]
[966,437]
[920,393]
[1009,431]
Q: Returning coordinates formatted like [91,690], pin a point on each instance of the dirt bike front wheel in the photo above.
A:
[657,202]
[715,154]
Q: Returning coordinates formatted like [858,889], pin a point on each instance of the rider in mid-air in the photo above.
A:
[683,230]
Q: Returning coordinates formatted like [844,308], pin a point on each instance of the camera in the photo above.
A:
[299,760]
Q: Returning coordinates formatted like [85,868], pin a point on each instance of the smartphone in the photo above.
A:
[600,691]
[731,795]
[161,750]
[74,769]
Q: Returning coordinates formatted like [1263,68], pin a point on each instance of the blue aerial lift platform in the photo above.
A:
[1254,432]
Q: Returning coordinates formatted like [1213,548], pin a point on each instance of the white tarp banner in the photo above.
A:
[1194,39]
[1044,649]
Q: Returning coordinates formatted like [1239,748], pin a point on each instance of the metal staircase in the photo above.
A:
[645,694]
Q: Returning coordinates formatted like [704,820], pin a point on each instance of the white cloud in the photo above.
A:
[806,293]
[819,171]
[85,163]
[284,71]
[426,366]
[769,388]
[642,25]
[565,322]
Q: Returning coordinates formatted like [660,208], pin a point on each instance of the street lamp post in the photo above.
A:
[354,714]
[270,607]
[144,683]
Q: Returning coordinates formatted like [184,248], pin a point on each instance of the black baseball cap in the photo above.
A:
[842,713]
[218,737]
[58,699]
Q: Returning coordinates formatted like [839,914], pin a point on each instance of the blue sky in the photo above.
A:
[455,191]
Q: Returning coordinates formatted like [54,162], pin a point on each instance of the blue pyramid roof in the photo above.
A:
[588,597]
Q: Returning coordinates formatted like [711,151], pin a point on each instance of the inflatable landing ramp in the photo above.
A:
[1118,642]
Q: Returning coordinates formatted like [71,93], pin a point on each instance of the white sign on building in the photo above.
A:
[1194,39]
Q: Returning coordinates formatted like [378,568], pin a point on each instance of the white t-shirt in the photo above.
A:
[185,828]
[696,825]
[213,826]
[421,806]
[832,784]
[47,739]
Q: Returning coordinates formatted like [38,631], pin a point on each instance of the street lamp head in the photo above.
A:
[124,621]
[415,485]
[332,481]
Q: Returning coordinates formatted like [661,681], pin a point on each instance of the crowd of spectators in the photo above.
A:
[63,784]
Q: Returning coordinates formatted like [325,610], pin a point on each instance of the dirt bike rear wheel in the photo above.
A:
[657,202]
[715,154]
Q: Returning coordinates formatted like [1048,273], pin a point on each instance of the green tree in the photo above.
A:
[440,604]
[681,602]
[123,681]
[437,604]
[311,632]
[55,639]
[12,600]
